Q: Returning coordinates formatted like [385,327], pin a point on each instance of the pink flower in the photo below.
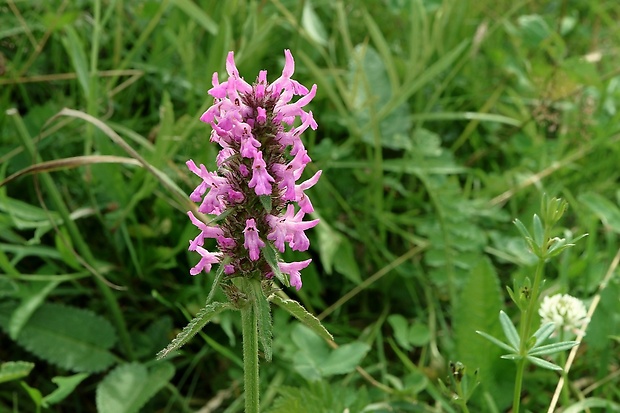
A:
[293,270]
[290,228]
[252,242]
[261,180]
[208,258]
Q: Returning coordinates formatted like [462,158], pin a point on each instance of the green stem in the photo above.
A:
[249,330]
[524,332]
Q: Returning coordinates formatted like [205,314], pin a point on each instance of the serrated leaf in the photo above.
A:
[66,385]
[129,386]
[13,370]
[263,314]
[72,338]
[552,348]
[544,363]
[299,312]
[344,359]
[509,330]
[477,307]
[30,302]
[202,318]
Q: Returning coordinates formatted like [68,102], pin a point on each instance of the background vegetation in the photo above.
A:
[440,121]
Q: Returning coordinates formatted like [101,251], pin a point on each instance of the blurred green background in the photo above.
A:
[440,121]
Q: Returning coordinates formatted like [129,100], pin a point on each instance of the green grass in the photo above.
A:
[439,123]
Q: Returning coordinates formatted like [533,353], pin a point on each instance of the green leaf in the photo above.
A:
[544,363]
[271,256]
[476,309]
[30,302]
[344,359]
[66,385]
[265,200]
[552,348]
[129,386]
[73,45]
[198,14]
[401,330]
[539,232]
[543,333]
[35,394]
[509,330]
[419,334]
[311,22]
[202,318]
[263,313]
[13,370]
[603,208]
[299,312]
[72,338]
[496,341]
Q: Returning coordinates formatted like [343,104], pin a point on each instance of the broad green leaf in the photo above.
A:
[202,318]
[476,309]
[299,312]
[13,370]
[371,91]
[401,330]
[72,338]
[603,208]
[419,334]
[344,359]
[312,353]
[66,385]
[311,22]
[129,386]
[30,302]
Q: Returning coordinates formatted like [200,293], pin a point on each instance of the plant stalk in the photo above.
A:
[249,330]
[524,331]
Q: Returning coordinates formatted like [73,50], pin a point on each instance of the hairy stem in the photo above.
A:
[249,330]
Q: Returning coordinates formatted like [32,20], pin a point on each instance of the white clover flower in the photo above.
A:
[565,311]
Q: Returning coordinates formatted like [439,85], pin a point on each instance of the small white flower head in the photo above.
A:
[565,311]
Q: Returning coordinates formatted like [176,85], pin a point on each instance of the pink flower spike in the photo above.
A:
[261,180]
[293,270]
[208,259]
[252,242]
